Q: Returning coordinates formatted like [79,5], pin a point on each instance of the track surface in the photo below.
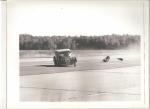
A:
[36,66]
[90,80]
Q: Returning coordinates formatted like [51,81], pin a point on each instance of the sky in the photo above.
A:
[49,17]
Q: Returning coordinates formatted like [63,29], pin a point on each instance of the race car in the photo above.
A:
[63,57]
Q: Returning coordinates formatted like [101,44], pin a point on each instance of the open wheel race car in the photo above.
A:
[63,57]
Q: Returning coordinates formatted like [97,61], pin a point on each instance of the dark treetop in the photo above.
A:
[29,42]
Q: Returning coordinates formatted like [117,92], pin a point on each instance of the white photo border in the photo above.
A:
[12,66]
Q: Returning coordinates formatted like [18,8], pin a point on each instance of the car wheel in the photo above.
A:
[55,61]
[75,61]
[74,64]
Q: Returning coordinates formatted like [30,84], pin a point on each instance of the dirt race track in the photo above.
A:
[36,66]
[90,80]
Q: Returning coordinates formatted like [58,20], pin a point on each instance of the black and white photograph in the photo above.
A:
[72,53]
[77,51]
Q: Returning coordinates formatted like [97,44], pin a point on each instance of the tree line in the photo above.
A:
[114,41]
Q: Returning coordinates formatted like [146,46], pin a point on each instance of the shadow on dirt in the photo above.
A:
[46,65]
[50,66]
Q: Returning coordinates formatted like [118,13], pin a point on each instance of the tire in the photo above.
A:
[74,64]
[75,61]
[55,61]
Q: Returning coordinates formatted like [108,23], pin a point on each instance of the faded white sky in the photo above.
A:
[47,17]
